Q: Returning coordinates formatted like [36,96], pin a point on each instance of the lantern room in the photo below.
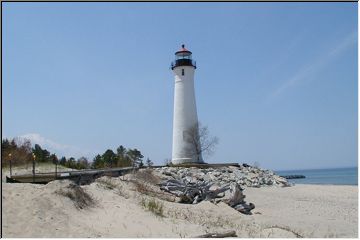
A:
[183,58]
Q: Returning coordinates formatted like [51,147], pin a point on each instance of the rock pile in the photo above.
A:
[193,184]
[245,176]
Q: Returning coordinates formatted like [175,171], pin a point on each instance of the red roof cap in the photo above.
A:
[183,50]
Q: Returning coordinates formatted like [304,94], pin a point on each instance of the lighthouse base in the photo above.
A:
[177,161]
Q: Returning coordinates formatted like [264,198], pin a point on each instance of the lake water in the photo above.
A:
[338,176]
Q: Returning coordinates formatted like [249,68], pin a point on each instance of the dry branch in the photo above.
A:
[218,235]
[191,192]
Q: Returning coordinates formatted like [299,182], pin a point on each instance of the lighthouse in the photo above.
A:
[185,122]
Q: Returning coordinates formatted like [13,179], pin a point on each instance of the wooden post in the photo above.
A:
[10,164]
[10,168]
[55,170]
[33,170]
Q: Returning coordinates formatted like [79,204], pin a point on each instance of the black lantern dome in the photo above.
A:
[183,58]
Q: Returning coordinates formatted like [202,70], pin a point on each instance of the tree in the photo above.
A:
[82,163]
[109,158]
[71,163]
[98,162]
[121,151]
[42,155]
[123,159]
[135,157]
[54,158]
[23,151]
[200,142]
[149,163]
[18,151]
[140,163]
[62,161]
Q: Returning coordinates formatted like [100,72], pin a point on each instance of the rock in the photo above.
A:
[267,181]
[217,174]
[167,173]
[280,179]
[239,174]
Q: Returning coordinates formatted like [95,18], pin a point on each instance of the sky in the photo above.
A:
[275,82]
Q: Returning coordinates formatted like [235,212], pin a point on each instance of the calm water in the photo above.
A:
[338,176]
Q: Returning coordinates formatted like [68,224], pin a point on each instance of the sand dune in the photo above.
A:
[306,210]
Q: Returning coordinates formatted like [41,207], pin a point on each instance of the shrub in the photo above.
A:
[147,176]
[106,183]
[153,206]
[78,195]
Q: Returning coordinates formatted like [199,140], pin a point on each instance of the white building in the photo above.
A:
[185,115]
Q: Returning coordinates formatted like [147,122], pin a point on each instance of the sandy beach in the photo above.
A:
[302,210]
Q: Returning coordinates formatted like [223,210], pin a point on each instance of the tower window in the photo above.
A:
[182,72]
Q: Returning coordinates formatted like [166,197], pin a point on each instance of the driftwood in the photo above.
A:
[235,196]
[190,192]
[218,235]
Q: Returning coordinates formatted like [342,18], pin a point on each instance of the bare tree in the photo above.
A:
[167,162]
[200,141]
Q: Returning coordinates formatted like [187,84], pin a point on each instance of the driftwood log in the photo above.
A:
[218,235]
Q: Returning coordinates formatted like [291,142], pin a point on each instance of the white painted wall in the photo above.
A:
[185,115]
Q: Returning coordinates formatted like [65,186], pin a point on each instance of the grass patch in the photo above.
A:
[153,206]
[107,183]
[141,187]
[79,196]
[147,175]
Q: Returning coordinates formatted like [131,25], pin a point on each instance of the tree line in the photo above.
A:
[21,152]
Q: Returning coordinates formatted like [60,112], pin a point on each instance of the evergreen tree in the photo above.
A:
[54,158]
[149,163]
[123,159]
[42,155]
[109,158]
[71,163]
[62,161]
[98,162]
[135,157]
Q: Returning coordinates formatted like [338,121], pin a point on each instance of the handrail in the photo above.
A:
[179,62]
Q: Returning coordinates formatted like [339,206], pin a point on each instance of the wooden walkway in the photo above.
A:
[81,177]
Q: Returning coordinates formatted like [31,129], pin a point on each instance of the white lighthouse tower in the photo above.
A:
[185,115]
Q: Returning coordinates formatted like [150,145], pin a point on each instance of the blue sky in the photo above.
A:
[276,82]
